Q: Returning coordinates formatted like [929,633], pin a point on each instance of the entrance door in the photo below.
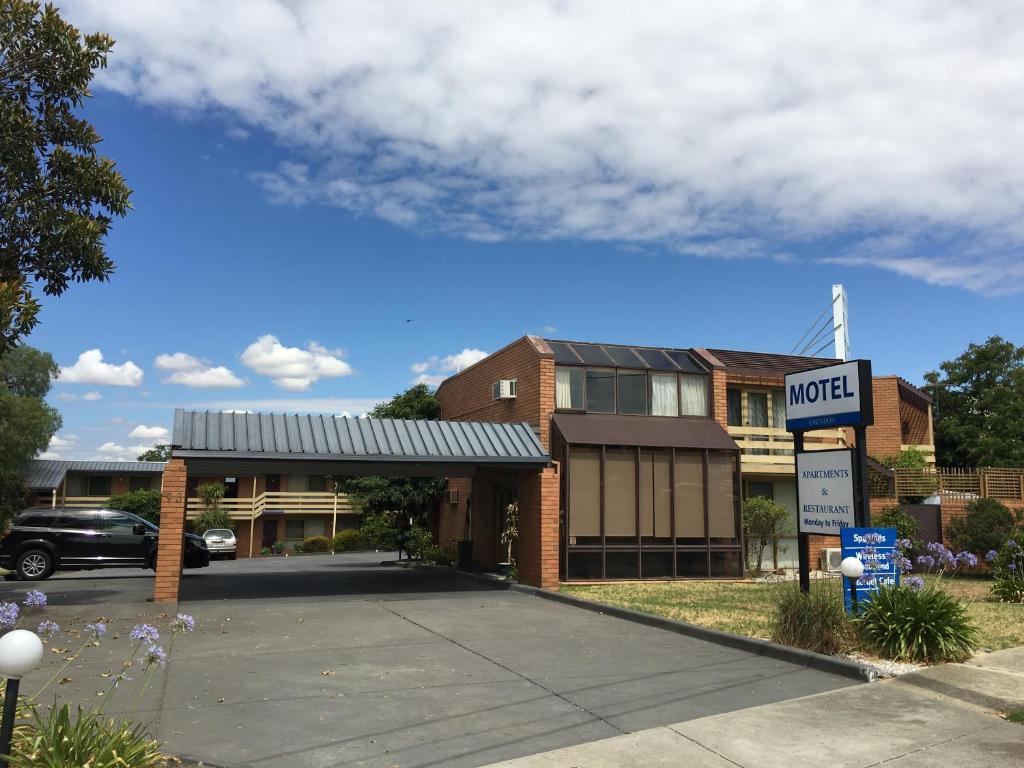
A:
[269,533]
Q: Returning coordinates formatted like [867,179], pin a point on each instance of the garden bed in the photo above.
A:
[744,607]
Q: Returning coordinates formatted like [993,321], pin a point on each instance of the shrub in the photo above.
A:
[144,502]
[928,625]
[316,544]
[764,523]
[418,541]
[1008,569]
[348,541]
[297,548]
[211,494]
[908,458]
[264,551]
[379,530]
[905,524]
[277,547]
[209,519]
[986,526]
[440,555]
[814,621]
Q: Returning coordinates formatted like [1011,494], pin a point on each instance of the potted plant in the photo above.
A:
[509,533]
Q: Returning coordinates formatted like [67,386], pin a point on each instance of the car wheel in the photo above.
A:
[152,561]
[34,564]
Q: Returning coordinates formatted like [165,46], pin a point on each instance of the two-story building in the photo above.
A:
[656,448]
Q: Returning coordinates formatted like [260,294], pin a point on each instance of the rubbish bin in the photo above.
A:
[466,555]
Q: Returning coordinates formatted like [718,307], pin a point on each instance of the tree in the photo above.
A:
[979,406]
[410,495]
[764,522]
[26,422]
[57,195]
[144,502]
[159,452]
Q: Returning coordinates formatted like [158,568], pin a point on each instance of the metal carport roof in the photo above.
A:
[47,474]
[273,437]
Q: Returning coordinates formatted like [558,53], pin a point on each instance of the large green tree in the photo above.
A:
[26,422]
[411,495]
[57,195]
[160,452]
[979,406]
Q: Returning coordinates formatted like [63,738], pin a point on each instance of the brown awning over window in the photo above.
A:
[649,431]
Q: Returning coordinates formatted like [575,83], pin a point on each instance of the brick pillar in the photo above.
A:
[172,531]
[719,399]
[538,528]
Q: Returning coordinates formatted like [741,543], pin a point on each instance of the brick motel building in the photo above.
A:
[627,462]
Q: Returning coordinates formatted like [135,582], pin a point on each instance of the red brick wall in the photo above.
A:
[917,424]
[451,518]
[719,400]
[467,395]
[538,528]
[884,438]
[172,530]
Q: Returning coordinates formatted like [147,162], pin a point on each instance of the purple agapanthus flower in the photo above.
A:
[35,598]
[967,558]
[155,655]
[1012,543]
[9,613]
[47,629]
[183,623]
[97,630]
[903,564]
[991,555]
[915,583]
[927,560]
[146,632]
[1012,566]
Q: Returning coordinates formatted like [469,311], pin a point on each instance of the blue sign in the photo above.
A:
[876,548]
[830,396]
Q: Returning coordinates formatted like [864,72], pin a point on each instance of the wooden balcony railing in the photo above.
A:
[769,449]
[308,502]
[83,502]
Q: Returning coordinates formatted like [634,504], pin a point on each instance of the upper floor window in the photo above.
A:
[630,391]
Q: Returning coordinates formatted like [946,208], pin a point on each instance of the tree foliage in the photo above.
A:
[986,526]
[144,502]
[764,522]
[410,495]
[57,196]
[26,422]
[156,453]
[979,406]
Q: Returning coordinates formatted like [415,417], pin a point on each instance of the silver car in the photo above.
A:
[220,542]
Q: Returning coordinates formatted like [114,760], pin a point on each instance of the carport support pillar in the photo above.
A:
[172,532]
[538,528]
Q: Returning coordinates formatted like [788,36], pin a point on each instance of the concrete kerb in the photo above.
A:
[819,661]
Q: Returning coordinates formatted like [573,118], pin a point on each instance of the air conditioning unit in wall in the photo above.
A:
[504,389]
[831,559]
[452,495]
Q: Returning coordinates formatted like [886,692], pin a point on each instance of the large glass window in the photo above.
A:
[620,495]
[294,529]
[632,392]
[601,390]
[99,485]
[569,388]
[689,510]
[734,407]
[655,495]
[664,394]
[694,395]
[721,499]
[584,495]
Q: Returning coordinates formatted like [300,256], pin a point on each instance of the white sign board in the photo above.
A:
[824,481]
[833,396]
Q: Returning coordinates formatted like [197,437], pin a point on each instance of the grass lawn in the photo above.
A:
[744,608]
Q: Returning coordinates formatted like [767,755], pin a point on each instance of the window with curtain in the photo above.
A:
[721,499]
[734,407]
[601,390]
[694,395]
[569,388]
[585,495]
[620,495]
[778,409]
[664,394]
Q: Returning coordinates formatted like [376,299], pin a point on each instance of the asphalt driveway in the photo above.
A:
[342,661]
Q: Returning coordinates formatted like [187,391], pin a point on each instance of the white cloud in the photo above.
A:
[111,451]
[149,433]
[293,368]
[92,396]
[676,123]
[190,371]
[436,369]
[59,447]
[90,369]
[71,397]
[291,405]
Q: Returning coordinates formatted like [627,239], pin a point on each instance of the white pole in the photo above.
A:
[840,322]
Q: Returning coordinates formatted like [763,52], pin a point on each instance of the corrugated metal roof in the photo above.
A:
[47,474]
[766,363]
[326,437]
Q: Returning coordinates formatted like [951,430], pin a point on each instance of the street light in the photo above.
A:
[853,569]
[21,651]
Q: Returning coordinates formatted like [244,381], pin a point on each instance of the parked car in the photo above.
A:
[45,540]
[221,541]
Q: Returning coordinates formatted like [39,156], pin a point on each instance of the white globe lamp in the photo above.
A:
[852,568]
[21,651]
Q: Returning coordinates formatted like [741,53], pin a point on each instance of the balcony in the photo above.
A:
[301,502]
[769,450]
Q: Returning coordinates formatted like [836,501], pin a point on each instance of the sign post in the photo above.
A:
[832,485]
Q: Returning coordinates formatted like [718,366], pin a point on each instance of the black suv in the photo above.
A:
[45,540]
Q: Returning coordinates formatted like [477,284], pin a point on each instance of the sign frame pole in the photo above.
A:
[803,540]
[861,493]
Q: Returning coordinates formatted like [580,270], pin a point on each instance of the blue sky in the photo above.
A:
[250,221]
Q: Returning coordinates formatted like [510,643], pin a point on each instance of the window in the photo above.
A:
[689,497]
[77,521]
[664,394]
[294,529]
[779,408]
[655,496]
[585,495]
[721,499]
[569,383]
[315,526]
[316,483]
[601,390]
[620,495]
[694,395]
[297,483]
[36,520]
[632,392]
[143,483]
[99,485]
[734,406]
[114,522]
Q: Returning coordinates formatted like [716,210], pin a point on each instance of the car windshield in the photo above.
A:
[141,521]
[222,533]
